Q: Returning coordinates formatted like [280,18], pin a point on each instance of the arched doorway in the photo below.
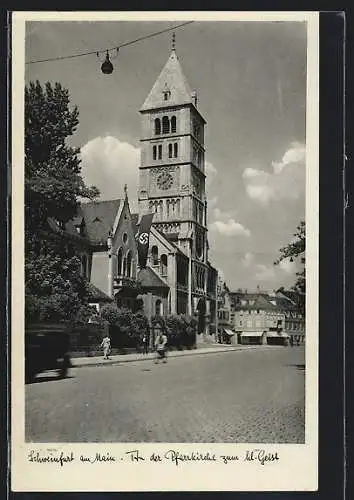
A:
[201,308]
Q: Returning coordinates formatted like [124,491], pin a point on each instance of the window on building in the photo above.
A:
[119,262]
[240,323]
[165,125]
[154,152]
[170,150]
[155,255]
[173,124]
[160,151]
[157,126]
[257,311]
[163,263]
[175,149]
[129,264]
[158,307]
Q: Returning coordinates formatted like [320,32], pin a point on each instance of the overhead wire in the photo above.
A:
[117,47]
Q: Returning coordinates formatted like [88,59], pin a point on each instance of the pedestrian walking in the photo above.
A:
[106,345]
[161,347]
[145,344]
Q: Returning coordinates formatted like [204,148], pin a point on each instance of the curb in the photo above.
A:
[170,355]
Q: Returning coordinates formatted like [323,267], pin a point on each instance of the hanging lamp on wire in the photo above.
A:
[107,66]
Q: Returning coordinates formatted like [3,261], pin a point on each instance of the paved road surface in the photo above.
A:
[239,396]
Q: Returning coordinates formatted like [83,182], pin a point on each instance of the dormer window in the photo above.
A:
[166,94]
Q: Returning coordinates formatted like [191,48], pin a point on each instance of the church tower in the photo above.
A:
[172,169]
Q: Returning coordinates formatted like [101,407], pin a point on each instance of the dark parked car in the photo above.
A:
[46,348]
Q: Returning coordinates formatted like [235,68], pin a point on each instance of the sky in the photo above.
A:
[251,84]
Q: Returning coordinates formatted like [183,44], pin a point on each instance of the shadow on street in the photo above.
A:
[48,378]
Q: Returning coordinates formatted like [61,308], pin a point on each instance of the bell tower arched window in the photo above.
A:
[157,126]
[165,125]
[154,152]
[160,151]
[173,124]
[170,150]
[175,149]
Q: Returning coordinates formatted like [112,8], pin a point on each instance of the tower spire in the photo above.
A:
[173,41]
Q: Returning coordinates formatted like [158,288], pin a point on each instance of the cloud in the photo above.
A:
[224,224]
[285,182]
[287,266]
[230,228]
[109,163]
[248,259]
[264,273]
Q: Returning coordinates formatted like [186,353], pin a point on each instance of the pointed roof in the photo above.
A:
[149,279]
[171,79]
[99,218]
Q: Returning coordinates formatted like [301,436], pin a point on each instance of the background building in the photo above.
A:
[267,318]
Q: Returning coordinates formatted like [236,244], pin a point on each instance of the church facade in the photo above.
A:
[178,277]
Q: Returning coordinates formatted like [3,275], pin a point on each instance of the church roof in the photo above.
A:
[170,79]
[99,218]
[149,279]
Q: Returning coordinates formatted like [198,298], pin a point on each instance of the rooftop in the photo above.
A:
[99,218]
[173,81]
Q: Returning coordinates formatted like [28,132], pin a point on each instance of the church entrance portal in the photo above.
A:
[201,307]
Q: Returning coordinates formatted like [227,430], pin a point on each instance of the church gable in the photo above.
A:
[124,246]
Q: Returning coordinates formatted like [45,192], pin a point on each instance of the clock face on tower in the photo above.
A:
[165,180]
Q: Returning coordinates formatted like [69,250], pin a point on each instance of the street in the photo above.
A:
[255,395]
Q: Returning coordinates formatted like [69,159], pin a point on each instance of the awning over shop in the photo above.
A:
[277,334]
[252,334]
[229,332]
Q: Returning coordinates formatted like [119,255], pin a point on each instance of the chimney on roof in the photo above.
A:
[258,289]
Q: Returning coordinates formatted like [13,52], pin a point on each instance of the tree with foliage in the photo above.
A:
[55,289]
[294,250]
[127,327]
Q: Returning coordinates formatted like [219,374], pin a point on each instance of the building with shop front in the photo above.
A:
[262,318]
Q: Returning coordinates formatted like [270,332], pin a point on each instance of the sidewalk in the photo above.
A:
[126,358]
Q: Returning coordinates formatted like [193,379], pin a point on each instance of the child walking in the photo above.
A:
[106,344]
[161,346]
